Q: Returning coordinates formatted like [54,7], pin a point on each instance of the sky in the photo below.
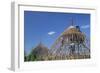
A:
[45,27]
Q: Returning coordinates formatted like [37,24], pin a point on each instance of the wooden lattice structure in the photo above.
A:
[71,44]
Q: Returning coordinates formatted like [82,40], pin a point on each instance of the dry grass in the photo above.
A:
[70,57]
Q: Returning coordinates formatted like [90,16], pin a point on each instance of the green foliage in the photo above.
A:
[31,57]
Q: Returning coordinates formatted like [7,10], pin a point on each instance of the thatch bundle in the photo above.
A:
[73,34]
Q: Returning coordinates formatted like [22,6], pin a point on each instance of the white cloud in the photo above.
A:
[85,26]
[51,33]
